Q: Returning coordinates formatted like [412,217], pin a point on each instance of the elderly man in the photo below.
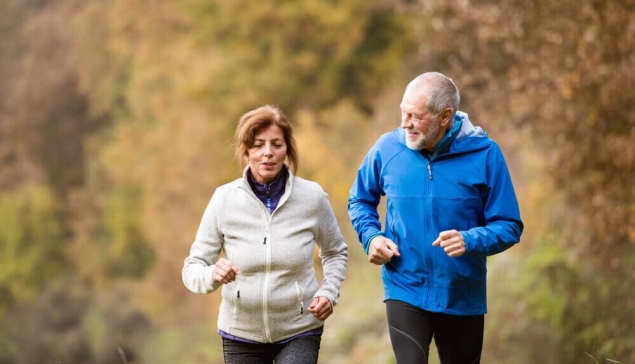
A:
[450,204]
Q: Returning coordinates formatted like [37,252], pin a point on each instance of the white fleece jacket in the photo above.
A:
[274,252]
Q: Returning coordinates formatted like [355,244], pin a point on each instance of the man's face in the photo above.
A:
[422,127]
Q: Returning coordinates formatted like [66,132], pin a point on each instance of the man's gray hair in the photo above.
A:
[440,90]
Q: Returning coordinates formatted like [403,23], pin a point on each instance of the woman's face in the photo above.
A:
[266,157]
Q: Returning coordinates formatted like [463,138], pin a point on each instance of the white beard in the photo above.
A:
[422,140]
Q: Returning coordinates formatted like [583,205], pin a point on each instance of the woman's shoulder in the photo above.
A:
[228,189]
[307,188]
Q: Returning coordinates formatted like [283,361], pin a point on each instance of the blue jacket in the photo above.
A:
[466,187]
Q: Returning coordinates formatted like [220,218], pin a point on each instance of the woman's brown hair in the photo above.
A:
[261,118]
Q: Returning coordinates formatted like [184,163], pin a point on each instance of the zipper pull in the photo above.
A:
[265,241]
[430,170]
[238,294]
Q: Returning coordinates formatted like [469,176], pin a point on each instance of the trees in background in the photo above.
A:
[115,127]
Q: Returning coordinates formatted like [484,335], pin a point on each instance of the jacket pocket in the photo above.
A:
[391,230]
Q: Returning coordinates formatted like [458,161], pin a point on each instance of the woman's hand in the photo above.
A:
[224,271]
[321,308]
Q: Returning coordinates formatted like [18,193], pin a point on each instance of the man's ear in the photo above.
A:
[446,116]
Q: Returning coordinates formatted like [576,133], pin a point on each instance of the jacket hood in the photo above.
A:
[467,128]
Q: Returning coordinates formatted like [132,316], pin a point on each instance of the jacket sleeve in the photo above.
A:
[205,251]
[364,198]
[503,225]
[333,252]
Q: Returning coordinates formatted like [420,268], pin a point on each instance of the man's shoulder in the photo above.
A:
[391,142]
[397,135]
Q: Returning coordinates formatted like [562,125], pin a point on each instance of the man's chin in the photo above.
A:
[414,145]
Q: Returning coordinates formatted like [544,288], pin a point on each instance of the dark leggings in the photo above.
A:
[459,339]
[302,350]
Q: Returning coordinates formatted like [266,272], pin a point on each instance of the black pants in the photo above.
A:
[459,339]
[302,350]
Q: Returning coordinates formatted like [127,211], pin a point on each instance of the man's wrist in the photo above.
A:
[370,238]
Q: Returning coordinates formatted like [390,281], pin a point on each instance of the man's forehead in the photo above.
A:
[413,101]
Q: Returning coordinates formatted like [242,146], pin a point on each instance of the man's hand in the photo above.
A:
[381,250]
[224,271]
[321,308]
[452,243]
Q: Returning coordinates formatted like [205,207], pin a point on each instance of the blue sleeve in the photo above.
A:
[364,198]
[503,225]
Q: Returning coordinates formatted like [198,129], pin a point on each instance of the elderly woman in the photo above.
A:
[267,224]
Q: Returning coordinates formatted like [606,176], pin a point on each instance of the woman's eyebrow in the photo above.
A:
[264,140]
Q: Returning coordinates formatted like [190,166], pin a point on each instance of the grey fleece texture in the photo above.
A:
[268,301]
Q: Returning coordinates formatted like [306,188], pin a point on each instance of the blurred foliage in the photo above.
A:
[330,48]
[69,322]
[127,253]
[116,120]
[31,243]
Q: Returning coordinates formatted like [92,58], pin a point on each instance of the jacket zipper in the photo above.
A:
[235,298]
[298,291]
[268,194]
[265,287]
[430,159]
[428,260]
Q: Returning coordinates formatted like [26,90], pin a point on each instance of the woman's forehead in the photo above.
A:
[272,131]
